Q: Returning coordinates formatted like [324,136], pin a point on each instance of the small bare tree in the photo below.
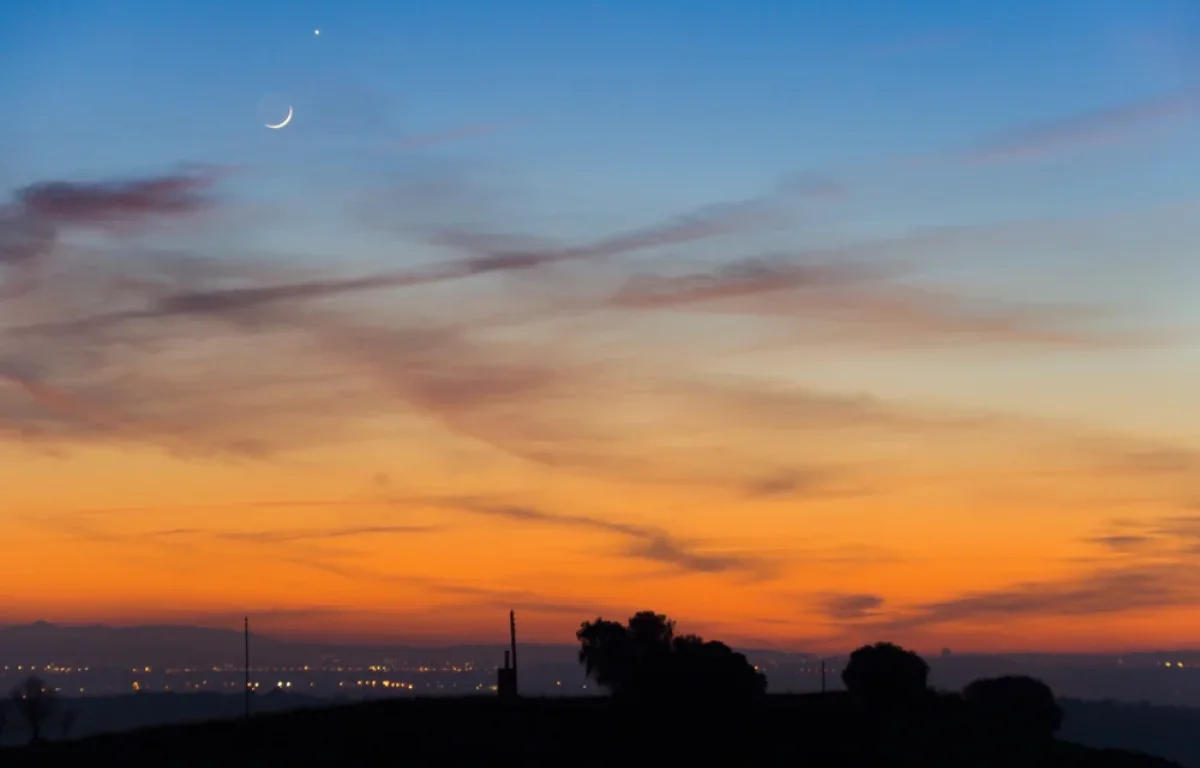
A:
[36,702]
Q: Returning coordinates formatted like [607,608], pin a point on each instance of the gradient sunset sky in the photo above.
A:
[808,324]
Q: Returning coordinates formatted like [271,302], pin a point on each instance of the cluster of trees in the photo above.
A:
[886,676]
[645,659]
[38,705]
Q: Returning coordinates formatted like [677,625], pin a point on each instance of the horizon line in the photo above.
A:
[298,640]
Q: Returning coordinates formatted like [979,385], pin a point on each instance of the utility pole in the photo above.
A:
[822,675]
[247,667]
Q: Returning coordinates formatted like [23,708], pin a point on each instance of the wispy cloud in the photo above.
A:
[809,482]
[851,606]
[1152,567]
[120,348]
[1123,543]
[279,546]
[114,204]
[492,255]
[642,542]
[1129,122]
[1161,538]
[288,536]
[39,216]
[1105,591]
[646,542]
[509,599]
[580,371]
[745,278]
[865,303]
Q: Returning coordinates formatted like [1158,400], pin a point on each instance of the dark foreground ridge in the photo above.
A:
[815,729]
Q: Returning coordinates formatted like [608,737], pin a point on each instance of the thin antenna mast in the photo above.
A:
[512,632]
[247,666]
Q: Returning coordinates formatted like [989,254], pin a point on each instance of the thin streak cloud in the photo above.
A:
[1129,122]
[646,542]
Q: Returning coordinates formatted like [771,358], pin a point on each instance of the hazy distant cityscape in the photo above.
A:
[97,661]
[120,679]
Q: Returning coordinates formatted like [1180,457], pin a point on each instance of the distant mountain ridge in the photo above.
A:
[43,642]
[183,645]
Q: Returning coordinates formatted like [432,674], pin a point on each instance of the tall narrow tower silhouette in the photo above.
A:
[506,676]
[512,639]
[247,662]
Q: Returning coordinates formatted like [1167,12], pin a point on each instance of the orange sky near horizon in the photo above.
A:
[800,451]
[432,539]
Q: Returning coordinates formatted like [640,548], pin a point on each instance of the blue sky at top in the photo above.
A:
[615,112]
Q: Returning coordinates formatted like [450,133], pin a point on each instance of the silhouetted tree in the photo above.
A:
[886,675]
[700,663]
[606,654]
[646,660]
[36,702]
[1023,707]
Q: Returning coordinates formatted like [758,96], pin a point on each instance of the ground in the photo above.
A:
[800,730]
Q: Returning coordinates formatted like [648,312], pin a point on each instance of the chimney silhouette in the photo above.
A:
[506,676]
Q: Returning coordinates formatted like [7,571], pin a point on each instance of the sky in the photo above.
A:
[806,324]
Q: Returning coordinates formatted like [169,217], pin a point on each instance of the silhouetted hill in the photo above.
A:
[132,711]
[1168,732]
[809,730]
[1172,732]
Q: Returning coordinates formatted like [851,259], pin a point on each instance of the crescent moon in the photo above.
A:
[286,120]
